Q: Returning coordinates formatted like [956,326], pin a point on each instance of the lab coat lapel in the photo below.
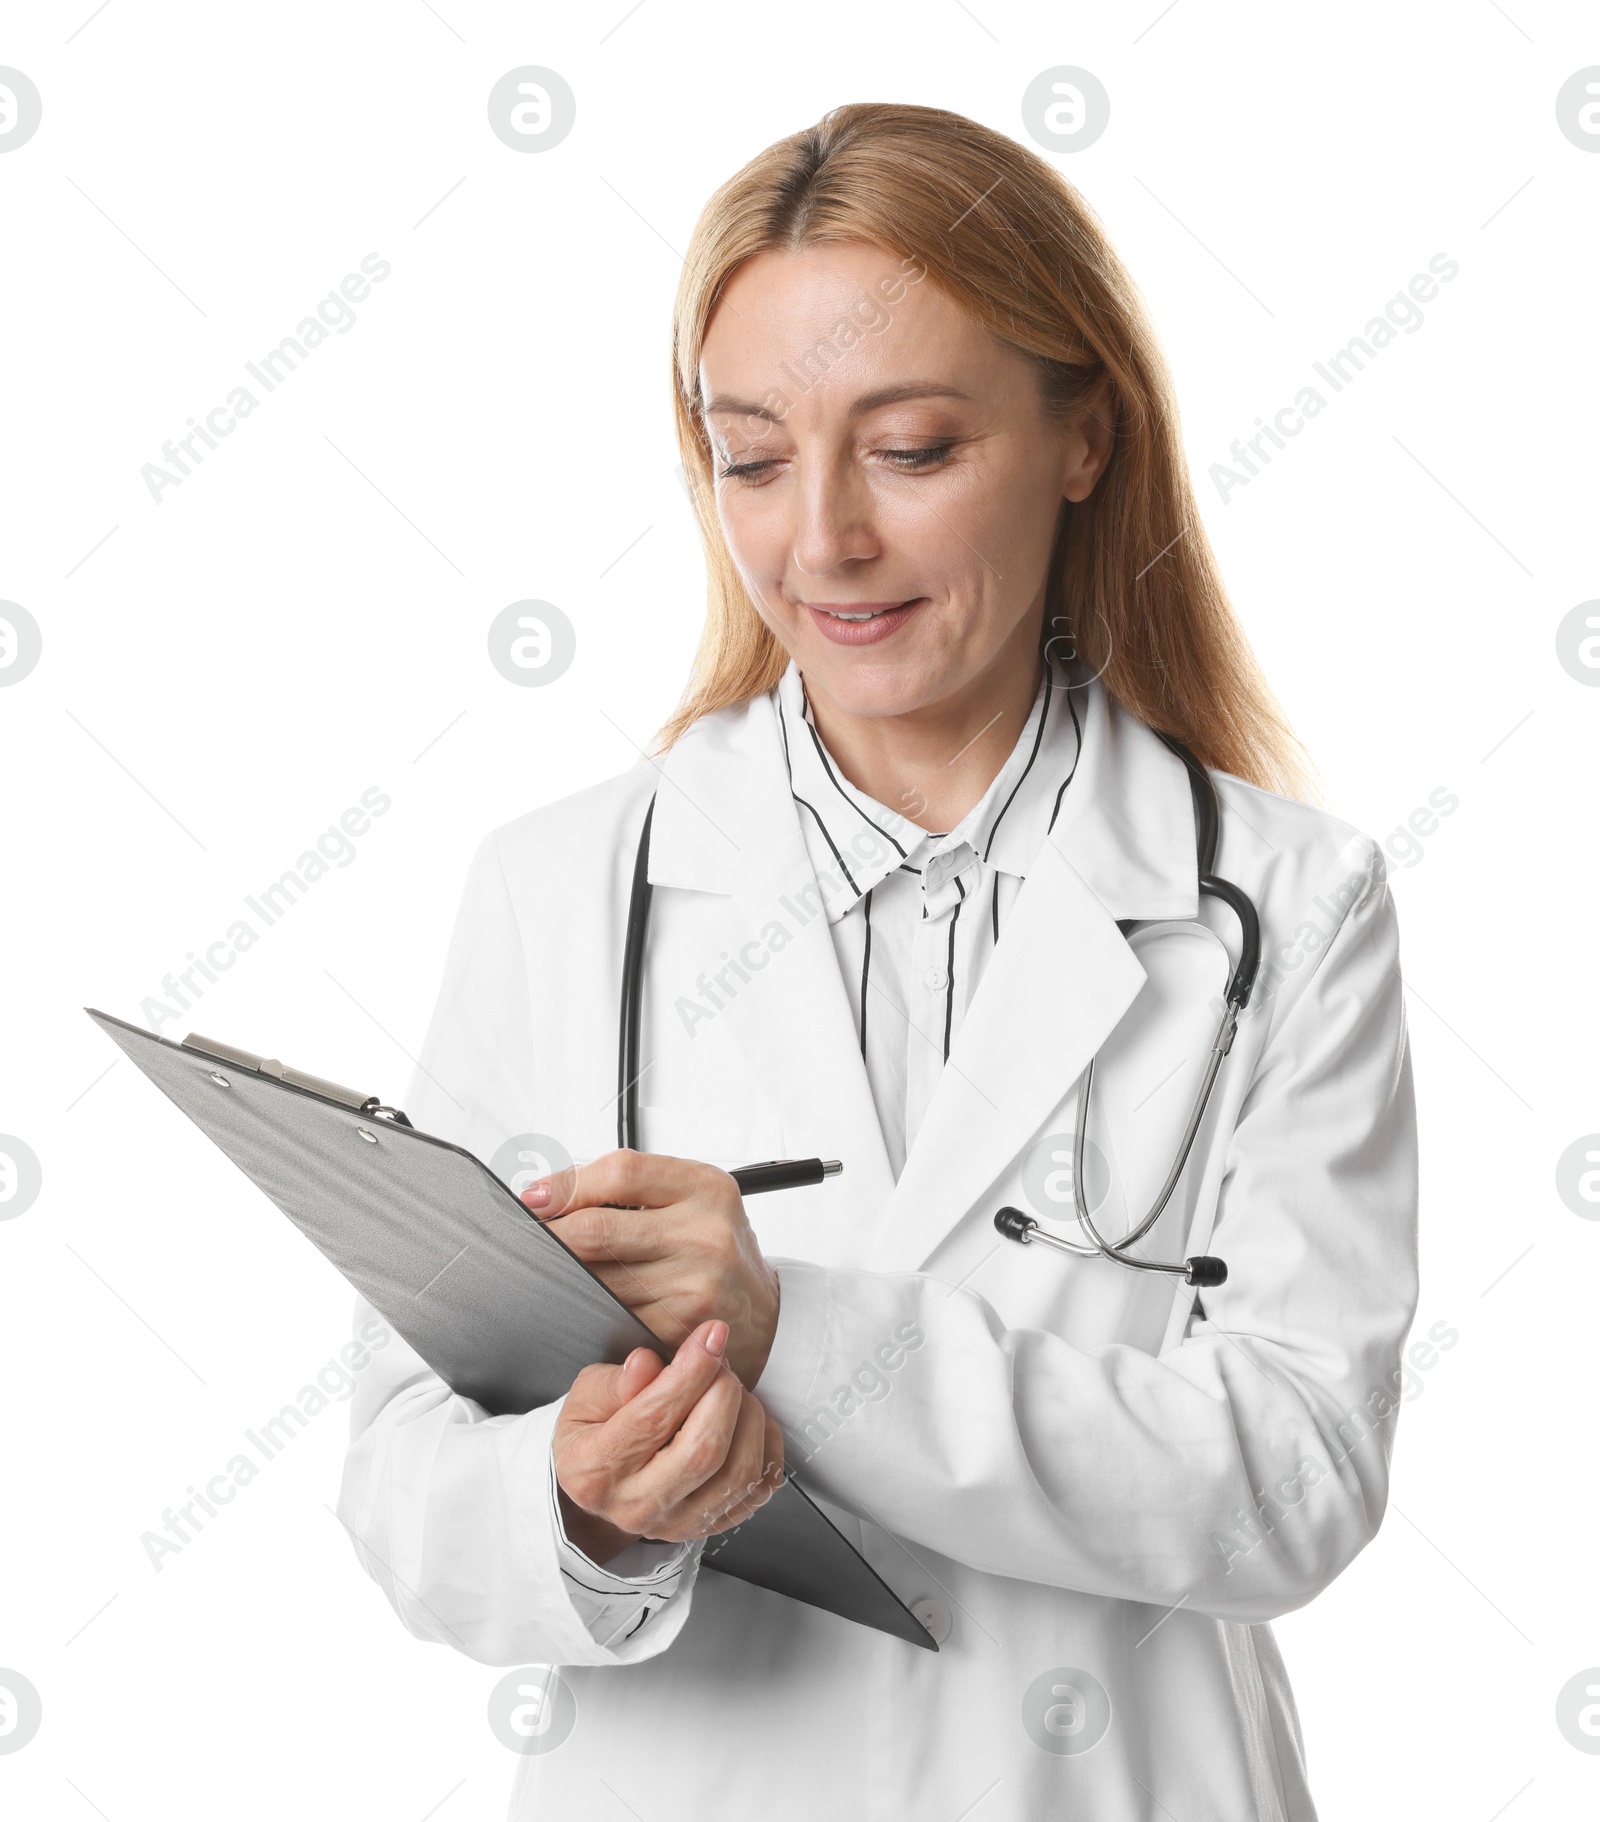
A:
[796,1030]
[726,822]
[1060,979]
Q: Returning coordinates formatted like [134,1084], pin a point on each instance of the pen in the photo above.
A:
[784,1173]
[755,1179]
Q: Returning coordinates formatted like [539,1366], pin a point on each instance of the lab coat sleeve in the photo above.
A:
[453,1512]
[1239,1471]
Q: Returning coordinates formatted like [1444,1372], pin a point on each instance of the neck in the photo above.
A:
[934,764]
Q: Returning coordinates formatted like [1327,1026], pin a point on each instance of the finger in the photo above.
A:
[625,1179]
[592,1397]
[618,1235]
[696,1454]
[552,1190]
[640,1368]
[743,1484]
[600,1391]
[593,1452]
[640,1429]
[636,1497]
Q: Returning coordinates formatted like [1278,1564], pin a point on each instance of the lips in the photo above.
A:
[861,622]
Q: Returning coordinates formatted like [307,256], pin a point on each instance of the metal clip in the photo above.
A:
[298,1078]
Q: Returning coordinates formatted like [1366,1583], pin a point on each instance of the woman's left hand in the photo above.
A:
[669,1238]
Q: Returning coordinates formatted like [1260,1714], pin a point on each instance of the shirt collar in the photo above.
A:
[855,842]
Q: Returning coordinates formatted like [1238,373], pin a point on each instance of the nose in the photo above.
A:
[834,520]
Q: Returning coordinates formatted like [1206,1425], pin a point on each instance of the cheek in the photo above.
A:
[755,534]
[977,541]
[1014,513]
[986,513]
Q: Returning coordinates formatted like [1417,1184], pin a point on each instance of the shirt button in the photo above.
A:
[937,979]
[934,1617]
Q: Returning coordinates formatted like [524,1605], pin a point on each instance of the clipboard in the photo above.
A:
[487,1294]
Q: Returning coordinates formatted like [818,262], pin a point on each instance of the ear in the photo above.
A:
[1088,445]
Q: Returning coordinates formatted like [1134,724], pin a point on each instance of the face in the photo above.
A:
[886,478]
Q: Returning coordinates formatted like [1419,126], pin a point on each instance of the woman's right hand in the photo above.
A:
[671,1452]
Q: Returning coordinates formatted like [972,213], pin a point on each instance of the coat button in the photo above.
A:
[934,1617]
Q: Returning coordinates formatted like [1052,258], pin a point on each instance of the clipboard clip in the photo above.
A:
[296,1078]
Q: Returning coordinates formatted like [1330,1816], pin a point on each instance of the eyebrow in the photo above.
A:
[868,401]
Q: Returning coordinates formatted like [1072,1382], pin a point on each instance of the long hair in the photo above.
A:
[1133,590]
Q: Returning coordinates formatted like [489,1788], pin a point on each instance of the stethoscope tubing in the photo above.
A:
[1202,1269]
[633,991]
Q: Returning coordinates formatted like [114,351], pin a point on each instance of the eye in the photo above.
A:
[923,459]
[919,461]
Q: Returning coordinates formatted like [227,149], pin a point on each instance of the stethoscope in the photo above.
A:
[1203,1269]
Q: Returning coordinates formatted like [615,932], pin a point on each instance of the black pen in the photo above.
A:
[755,1179]
[784,1173]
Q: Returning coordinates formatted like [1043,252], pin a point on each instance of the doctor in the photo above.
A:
[918,857]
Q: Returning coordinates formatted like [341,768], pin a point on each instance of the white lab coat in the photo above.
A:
[1105,1491]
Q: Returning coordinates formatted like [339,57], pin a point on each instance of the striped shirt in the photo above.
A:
[915,916]
[618,1600]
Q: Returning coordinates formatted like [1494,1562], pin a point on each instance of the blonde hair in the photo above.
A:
[1132,580]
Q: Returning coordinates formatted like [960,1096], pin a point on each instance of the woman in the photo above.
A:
[919,856]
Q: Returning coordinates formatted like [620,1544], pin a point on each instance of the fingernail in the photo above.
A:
[537,1194]
[716,1339]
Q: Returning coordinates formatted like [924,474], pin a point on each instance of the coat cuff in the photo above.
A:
[619,1602]
[799,1345]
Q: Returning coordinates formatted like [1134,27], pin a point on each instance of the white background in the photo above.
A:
[305,617]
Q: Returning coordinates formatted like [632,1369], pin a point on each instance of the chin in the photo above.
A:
[873,685]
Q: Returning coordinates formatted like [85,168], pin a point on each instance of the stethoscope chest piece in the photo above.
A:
[1203,1269]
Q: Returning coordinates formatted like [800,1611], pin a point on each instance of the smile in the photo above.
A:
[861,622]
